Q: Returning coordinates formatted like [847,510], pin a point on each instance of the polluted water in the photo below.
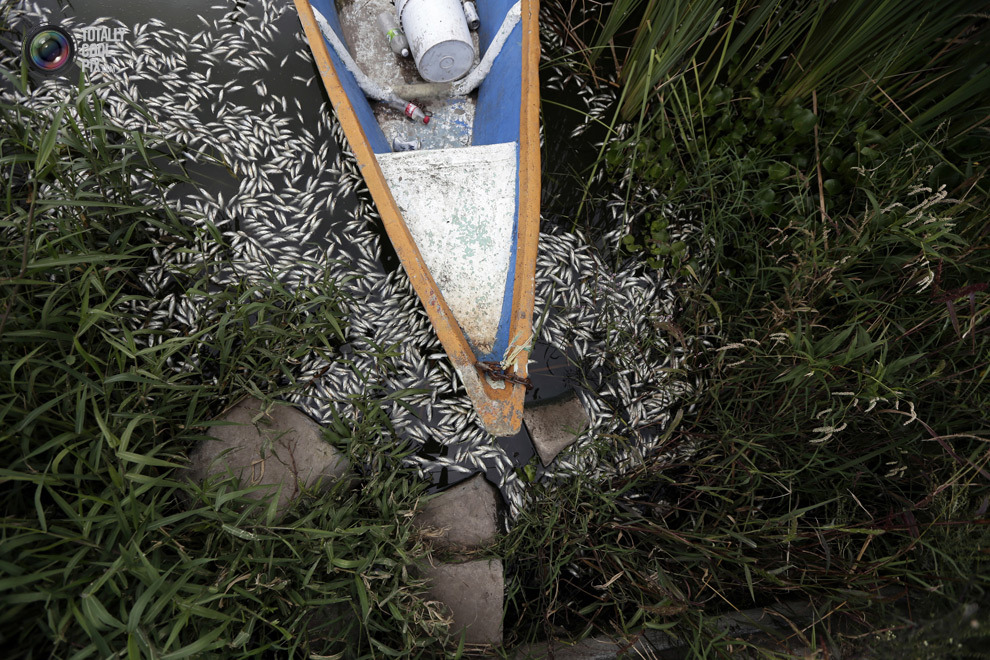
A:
[236,80]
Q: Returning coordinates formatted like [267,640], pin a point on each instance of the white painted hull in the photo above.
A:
[459,205]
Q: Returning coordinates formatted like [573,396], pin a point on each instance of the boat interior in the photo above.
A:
[489,115]
[458,192]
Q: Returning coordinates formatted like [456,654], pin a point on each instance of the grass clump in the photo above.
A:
[105,548]
[912,56]
[837,455]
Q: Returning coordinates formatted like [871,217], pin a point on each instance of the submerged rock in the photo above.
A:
[279,447]
[464,515]
[555,424]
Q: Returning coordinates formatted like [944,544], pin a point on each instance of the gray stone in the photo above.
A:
[473,592]
[555,425]
[463,515]
[283,449]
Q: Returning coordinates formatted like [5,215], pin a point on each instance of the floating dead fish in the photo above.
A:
[297,182]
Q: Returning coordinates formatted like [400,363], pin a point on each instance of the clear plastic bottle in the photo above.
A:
[409,109]
[390,28]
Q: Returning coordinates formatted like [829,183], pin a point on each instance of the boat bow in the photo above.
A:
[465,225]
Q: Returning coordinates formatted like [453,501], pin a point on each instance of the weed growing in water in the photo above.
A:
[106,547]
[840,452]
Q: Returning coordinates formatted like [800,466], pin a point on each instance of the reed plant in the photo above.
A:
[913,57]
[106,548]
[833,155]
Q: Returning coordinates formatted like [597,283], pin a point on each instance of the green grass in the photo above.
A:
[910,55]
[837,308]
[106,550]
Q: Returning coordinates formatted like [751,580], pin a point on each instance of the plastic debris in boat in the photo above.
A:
[409,109]
[410,144]
[390,28]
[471,15]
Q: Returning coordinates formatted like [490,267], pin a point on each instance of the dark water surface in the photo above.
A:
[246,59]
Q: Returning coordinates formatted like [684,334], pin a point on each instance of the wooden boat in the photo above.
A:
[463,211]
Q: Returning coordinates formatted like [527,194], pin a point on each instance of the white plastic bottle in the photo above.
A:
[390,28]
[471,15]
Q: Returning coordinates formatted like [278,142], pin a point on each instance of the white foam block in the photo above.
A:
[460,206]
